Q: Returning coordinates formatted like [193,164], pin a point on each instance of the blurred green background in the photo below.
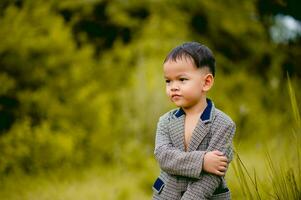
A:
[81,90]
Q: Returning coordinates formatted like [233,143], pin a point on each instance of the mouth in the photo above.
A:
[175,96]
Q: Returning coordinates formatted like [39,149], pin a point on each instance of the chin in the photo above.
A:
[179,104]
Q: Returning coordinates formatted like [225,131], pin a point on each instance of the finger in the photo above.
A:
[219,173]
[224,164]
[222,169]
[223,159]
[216,152]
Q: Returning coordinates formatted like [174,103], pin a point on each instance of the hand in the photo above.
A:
[215,163]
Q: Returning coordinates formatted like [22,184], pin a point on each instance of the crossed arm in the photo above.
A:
[190,164]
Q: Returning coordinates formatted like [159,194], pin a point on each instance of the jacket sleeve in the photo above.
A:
[206,185]
[171,159]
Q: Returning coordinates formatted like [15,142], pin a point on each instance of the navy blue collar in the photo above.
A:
[205,115]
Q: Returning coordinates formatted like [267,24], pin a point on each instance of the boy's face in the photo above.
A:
[186,84]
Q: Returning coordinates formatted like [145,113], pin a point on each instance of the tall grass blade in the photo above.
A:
[296,133]
[238,174]
[294,103]
[240,170]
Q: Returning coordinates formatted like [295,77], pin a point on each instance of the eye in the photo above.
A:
[183,79]
[167,81]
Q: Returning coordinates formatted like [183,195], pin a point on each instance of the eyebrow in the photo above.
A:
[177,76]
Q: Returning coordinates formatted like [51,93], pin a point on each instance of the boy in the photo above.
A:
[193,142]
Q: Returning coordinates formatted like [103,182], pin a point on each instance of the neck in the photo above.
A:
[196,109]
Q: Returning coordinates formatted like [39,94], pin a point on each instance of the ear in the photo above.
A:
[208,82]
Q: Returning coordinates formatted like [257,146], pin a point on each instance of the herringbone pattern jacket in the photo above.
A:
[181,174]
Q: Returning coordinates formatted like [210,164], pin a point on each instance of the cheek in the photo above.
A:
[167,90]
[186,87]
[191,89]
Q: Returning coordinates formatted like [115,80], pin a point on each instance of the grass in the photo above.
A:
[266,175]
[117,182]
[97,182]
[252,175]
[283,178]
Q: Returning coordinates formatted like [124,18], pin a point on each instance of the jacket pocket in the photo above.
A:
[221,196]
[158,185]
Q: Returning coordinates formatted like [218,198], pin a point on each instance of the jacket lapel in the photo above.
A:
[199,133]
[177,128]
[177,132]
[203,126]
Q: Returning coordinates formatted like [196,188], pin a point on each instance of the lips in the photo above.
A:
[175,96]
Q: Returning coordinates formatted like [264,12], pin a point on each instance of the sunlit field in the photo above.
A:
[119,183]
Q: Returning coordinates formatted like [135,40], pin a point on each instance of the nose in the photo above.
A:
[174,87]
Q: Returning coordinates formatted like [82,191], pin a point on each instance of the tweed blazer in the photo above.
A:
[181,175]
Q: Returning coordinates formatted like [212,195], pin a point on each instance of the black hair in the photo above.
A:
[201,55]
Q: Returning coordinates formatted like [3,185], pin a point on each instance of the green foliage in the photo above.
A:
[51,81]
